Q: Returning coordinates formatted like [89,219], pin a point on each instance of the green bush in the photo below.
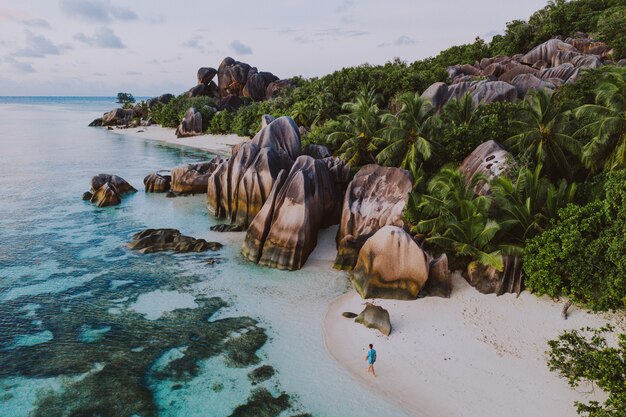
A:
[589,355]
[171,114]
[581,254]
[221,122]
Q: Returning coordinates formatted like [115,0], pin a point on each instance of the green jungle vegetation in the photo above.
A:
[563,206]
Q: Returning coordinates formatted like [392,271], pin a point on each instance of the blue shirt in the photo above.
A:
[371,356]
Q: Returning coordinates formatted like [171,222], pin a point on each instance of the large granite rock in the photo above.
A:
[105,195]
[526,82]
[193,178]
[545,51]
[437,93]
[390,265]
[515,71]
[375,197]
[206,75]
[488,280]
[120,184]
[158,182]
[317,151]
[563,72]
[191,124]
[116,117]
[240,186]
[439,283]
[375,317]
[274,89]
[492,92]
[162,99]
[156,240]
[257,83]
[232,77]
[489,159]
[284,233]
[204,90]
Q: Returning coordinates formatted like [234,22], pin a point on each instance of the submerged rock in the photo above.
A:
[390,265]
[106,195]
[193,178]
[158,182]
[106,190]
[156,240]
[375,317]
[375,197]
[261,374]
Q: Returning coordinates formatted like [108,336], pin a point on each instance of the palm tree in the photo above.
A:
[528,202]
[607,147]
[462,111]
[410,134]
[303,113]
[360,130]
[543,134]
[455,218]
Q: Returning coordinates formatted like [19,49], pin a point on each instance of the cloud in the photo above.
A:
[199,44]
[401,41]
[102,38]
[36,23]
[156,19]
[332,34]
[345,6]
[38,46]
[240,48]
[96,10]
[19,66]
[133,73]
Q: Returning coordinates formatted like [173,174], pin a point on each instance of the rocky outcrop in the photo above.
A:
[284,233]
[116,117]
[438,283]
[316,151]
[240,186]
[158,182]
[191,124]
[489,159]
[437,93]
[489,280]
[105,195]
[492,92]
[563,72]
[375,197]
[527,82]
[193,178]
[232,77]
[390,265]
[206,75]
[162,99]
[156,240]
[375,317]
[106,190]
[257,83]
[515,71]
[204,90]
[274,89]
[545,51]
[120,184]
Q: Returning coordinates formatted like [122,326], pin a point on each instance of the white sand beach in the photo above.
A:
[216,144]
[470,355]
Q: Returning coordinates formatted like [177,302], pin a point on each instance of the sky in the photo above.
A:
[150,47]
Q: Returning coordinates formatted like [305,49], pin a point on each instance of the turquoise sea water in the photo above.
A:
[90,328]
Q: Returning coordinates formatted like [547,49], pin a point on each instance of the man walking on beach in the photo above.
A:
[371,358]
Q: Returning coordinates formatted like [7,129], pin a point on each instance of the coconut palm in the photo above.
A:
[527,202]
[455,218]
[462,111]
[542,134]
[360,129]
[410,135]
[607,147]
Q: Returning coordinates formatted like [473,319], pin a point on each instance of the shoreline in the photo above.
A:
[469,355]
[216,144]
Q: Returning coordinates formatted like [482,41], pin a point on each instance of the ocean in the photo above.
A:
[90,328]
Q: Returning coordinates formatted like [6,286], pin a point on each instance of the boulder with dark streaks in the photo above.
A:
[526,82]
[489,159]
[193,178]
[158,182]
[375,317]
[257,83]
[390,265]
[157,240]
[375,197]
[191,125]
[545,51]
[206,75]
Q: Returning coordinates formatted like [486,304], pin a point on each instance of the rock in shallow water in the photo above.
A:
[193,178]
[155,240]
[157,182]
[375,317]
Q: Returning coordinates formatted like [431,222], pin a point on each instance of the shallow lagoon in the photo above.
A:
[89,327]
